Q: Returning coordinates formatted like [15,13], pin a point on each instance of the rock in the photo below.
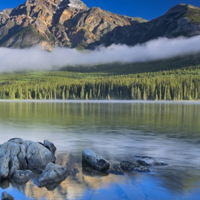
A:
[22,177]
[52,187]
[4,184]
[116,169]
[74,171]
[9,160]
[16,140]
[52,174]
[6,196]
[141,169]
[149,161]
[143,157]
[22,156]
[128,166]
[17,154]
[50,146]
[159,163]
[132,167]
[38,156]
[89,171]
[95,161]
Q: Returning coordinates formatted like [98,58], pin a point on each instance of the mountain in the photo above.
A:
[70,23]
[181,20]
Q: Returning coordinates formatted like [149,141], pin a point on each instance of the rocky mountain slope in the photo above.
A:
[181,20]
[70,23]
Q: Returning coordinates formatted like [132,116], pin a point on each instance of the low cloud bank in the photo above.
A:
[13,60]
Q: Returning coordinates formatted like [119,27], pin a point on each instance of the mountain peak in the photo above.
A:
[70,23]
[181,8]
[59,3]
[178,8]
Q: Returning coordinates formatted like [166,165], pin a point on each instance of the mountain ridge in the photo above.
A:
[70,23]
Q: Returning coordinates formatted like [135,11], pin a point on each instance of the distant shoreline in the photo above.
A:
[103,101]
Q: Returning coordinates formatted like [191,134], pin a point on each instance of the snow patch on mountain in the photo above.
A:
[75,4]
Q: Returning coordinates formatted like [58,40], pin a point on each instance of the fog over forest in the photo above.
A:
[35,58]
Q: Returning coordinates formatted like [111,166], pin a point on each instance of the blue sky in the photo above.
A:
[147,9]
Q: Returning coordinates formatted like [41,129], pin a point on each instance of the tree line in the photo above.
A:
[125,87]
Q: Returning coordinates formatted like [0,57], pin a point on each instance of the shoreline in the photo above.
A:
[104,101]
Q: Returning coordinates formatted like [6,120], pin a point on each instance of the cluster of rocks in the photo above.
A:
[20,157]
[149,161]
[92,161]
[22,160]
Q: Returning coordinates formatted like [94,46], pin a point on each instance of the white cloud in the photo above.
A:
[35,58]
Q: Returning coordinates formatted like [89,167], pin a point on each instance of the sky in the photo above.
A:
[147,9]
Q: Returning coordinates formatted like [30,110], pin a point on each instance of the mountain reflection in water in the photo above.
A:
[117,131]
[167,181]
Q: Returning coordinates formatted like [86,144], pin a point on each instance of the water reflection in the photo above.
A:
[117,131]
[168,182]
[148,116]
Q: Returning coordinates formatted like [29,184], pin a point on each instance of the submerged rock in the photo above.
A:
[52,174]
[4,184]
[74,172]
[149,161]
[127,166]
[116,169]
[95,161]
[18,154]
[22,177]
[6,196]
[90,171]
[141,169]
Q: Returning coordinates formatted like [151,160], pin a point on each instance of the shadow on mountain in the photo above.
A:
[11,32]
[59,12]
[170,25]
[129,35]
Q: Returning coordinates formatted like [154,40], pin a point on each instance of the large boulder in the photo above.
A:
[38,156]
[18,154]
[52,174]
[95,161]
[9,160]
[6,196]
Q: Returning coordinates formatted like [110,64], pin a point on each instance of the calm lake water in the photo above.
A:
[118,131]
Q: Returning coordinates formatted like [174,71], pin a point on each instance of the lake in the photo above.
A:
[117,130]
